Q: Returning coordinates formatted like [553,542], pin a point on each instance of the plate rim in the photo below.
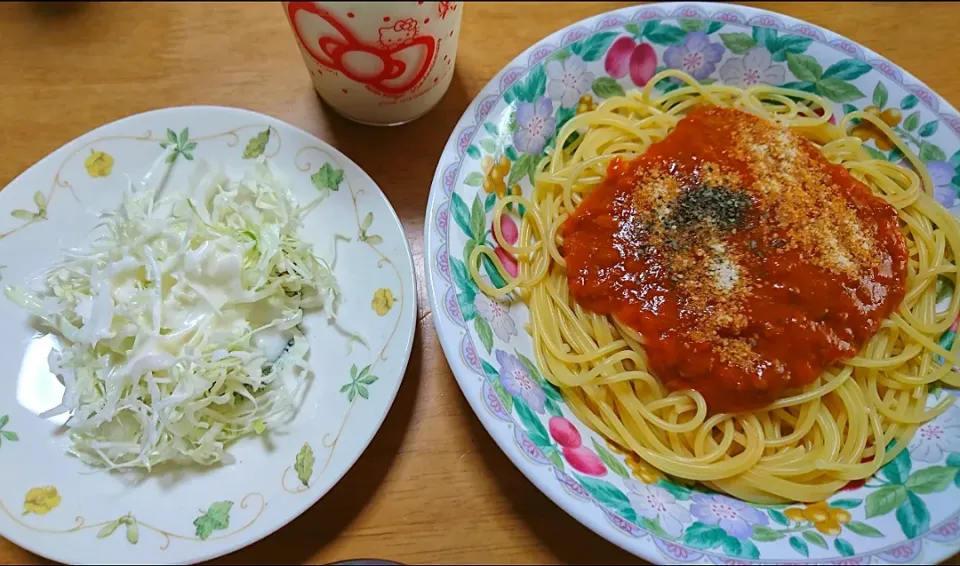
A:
[450,335]
[409,328]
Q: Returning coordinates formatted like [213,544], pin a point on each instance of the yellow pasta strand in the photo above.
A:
[805,446]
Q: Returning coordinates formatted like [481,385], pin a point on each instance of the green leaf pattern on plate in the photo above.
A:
[132,528]
[326,179]
[605,87]
[799,545]
[178,144]
[609,460]
[215,518]
[304,464]
[814,537]
[880,95]
[5,434]
[608,494]
[738,43]
[359,380]
[257,145]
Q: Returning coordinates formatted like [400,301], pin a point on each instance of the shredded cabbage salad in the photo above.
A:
[179,326]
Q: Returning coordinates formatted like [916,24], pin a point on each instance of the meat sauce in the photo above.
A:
[746,261]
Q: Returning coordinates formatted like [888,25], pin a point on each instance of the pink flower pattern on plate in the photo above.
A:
[497,315]
[697,56]
[732,515]
[517,381]
[756,67]
[536,123]
[568,80]
[932,440]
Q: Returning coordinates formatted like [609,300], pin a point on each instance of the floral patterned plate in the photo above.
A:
[52,504]
[910,512]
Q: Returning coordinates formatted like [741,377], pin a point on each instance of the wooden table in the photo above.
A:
[433,487]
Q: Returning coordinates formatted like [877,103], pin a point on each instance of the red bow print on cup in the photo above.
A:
[394,67]
[444,7]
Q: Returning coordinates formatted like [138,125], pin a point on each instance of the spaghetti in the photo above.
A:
[803,443]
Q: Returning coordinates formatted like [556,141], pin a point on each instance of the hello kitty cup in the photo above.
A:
[378,63]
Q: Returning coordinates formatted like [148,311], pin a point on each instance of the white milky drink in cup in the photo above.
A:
[381,63]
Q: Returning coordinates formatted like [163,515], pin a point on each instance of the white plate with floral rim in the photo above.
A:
[909,513]
[51,503]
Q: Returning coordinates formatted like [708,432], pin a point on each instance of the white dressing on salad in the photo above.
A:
[179,326]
